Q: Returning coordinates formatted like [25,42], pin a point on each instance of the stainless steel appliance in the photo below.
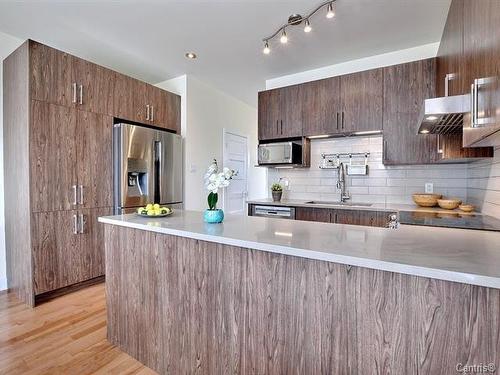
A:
[274,211]
[280,153]
[147,167]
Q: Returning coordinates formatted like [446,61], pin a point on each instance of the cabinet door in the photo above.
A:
[405,88]
[130,99]
[92,242]
[450,54]
[361,101]
[291,112]
[342,216]
[52,156]
[95,89]
[321,107]
[269,114]
[51,75]
[95,161]
[57,259]
[166,109]
[313,214]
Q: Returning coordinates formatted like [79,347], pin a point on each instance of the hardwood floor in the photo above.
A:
[64,336]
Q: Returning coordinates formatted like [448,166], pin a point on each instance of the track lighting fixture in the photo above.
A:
[330,13]
[307,27]
[296,20]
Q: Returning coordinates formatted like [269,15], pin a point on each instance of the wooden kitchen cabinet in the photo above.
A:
[321,107]
[165,109]
[323,215]
[280,113]
[406,86]
[344,216]
[450,55]
[57,257]
[362,100]
[94,160]
[95,87]
[53,154]
[51,75]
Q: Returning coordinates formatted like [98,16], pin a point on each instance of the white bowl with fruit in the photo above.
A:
[154,210]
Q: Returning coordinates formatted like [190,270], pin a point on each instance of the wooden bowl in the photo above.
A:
[449,204]
[426,200]
[466,207]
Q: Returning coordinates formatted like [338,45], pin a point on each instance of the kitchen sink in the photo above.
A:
[330,203]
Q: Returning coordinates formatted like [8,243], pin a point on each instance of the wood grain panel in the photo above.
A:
[406,86]
[51,75]
[97,84]
[52,156]
[124,97]
[95,159]
[57,259]
[291,112]
[321,104]
[313,214]
[16,113]
[269,114]
[362,100]
[186,306]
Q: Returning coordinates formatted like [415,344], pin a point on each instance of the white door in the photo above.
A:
[236,157]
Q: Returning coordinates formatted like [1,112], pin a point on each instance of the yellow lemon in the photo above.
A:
[149,207]
[156,206]
[151,212]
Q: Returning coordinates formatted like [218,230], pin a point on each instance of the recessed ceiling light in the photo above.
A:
[431,118]
[191,55]
[424,131]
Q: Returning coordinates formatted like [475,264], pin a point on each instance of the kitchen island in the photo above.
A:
[256,295]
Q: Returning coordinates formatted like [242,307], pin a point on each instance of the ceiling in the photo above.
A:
[148,39]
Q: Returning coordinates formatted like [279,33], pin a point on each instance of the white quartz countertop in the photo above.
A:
[467,256]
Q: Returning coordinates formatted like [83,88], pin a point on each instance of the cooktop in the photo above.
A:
[450,220]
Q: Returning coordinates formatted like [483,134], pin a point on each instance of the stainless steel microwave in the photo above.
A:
[280,153]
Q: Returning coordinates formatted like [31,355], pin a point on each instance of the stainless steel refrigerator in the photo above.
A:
[147,167]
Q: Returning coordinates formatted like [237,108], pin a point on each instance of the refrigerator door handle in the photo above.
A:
[157,171]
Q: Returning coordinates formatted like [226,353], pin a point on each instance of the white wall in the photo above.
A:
[206,112]
[378,61]
[7,45]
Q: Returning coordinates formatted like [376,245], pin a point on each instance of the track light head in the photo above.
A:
[330,13]
[266,49]
[307,27]
[284,37]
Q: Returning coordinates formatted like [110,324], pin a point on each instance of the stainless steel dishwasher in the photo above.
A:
[281,212]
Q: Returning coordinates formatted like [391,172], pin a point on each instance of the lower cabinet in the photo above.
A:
[68,247]
[344,216]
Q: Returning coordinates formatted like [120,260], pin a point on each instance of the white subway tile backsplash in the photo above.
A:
[392,184]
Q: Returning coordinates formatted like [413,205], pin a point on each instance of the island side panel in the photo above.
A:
[180,305]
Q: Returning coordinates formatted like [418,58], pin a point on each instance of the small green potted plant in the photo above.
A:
[215,180]
[277,191]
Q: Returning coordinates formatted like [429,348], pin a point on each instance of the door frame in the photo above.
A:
[224,160]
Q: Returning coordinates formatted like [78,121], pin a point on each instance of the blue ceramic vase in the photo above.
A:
[213,216]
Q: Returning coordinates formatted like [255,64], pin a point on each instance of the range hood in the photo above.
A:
[444,115]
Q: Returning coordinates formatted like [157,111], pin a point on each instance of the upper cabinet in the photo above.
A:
[406,86]
[61,79]
[321,106]
[280,113]
[338,105]
[361,96]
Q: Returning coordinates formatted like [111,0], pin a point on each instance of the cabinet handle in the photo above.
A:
[152,113]
[447,78]
[281,121]
[384,145]
[147,112]
[82,224]
[337,121]
[75,224]
[342,120]
[75,201]
[74,92]
[472,103]
[81,94]
[81,193]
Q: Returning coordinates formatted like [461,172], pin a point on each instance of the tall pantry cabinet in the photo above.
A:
[59,112]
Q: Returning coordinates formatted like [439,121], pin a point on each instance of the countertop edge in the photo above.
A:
[434,273]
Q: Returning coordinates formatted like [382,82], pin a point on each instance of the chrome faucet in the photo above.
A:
[344,196]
